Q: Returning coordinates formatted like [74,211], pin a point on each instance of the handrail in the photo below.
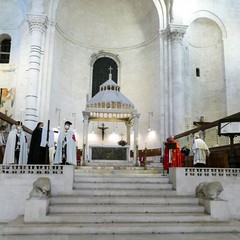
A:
[11,121]
[232,117]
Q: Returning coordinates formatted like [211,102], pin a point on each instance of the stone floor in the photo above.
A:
[228,236]
[205,236]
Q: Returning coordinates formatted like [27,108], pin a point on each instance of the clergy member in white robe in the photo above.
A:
[66,147]
[200,151]
[16,147]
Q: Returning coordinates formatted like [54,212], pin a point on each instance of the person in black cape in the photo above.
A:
[37,154]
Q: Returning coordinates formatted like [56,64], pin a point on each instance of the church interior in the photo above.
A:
[126,75]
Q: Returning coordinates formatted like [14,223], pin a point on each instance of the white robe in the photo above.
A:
[9,154]
[71,148]
[200,151]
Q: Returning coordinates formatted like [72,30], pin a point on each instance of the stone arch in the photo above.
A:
[102,54]
[206,55]
[209,15]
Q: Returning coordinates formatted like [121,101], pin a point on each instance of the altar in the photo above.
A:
[109,152]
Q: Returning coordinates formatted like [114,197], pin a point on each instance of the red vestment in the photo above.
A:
[176,157]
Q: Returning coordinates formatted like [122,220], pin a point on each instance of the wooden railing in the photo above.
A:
[11,121]
[219,146]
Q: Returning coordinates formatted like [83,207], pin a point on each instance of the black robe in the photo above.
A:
[37,154]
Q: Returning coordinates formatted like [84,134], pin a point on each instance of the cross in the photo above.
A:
[110,69]
[103,129]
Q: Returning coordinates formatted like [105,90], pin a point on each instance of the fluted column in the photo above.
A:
[37,28]
[175,34]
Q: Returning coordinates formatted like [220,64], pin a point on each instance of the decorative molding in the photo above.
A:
[101,54]
[212,172]
[176,32]
[30,169]
[37,22]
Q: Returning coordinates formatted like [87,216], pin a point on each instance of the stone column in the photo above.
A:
[37,27]
[85,137]
[135,140]
[175,34]
[128,126]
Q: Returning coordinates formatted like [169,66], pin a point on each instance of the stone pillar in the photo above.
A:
[85,137]
[135,140]
[128,126]
[175,34]
[37,27]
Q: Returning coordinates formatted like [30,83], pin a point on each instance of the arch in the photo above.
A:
[210,15]
[5,48]
[100,73]
[103,54]
[162,13]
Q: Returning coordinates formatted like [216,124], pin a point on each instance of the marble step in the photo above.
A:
[125,185]
[144,200]
[98,170]
[19,227]
[125,217]
[123,192]
[121,208]
[122,179]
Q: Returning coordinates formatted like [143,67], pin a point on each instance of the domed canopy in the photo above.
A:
[110,97]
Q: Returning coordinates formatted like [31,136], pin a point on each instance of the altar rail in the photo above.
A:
[30,169]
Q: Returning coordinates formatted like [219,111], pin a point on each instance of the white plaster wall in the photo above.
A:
[226,15]
[13,75]
[91,31]
[208,92]
[139,69]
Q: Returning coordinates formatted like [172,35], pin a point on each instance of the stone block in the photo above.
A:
[35,209]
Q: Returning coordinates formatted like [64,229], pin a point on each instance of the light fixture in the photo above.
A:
[150,114]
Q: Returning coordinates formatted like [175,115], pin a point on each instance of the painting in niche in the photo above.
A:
[7,99]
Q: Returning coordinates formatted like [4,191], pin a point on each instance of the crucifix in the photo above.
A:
[110,69]
[103,129]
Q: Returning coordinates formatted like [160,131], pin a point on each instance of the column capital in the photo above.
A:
[37,22]
[175,32]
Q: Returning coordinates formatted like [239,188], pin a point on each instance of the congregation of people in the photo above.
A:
[42,149]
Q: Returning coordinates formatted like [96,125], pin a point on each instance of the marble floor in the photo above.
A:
[217,236]
[197,236]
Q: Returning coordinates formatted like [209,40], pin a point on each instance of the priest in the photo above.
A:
[66,153]
[172,156]
[16,147]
